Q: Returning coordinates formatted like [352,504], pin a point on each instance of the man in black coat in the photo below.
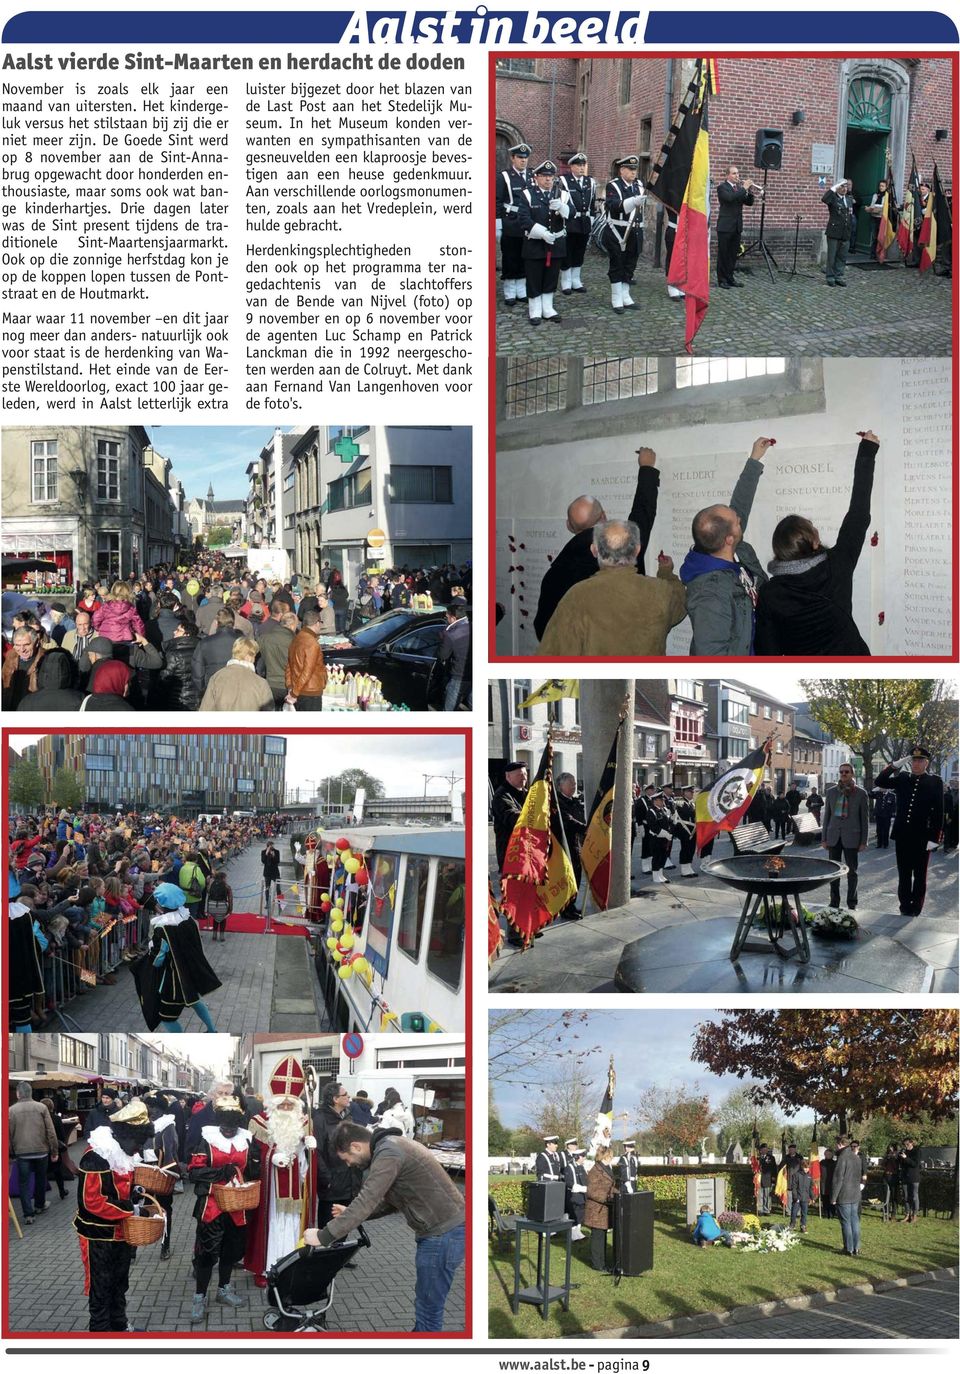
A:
[214,651]
[343,1183]
[768,1179]
[839,201]
[574,827]
[575,562]
[506,806]
[918,827]
[733,195]
[884,810]
[174,689]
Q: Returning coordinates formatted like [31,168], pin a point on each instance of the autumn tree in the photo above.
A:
[866,714]
[499,1138]
[676,1119]
[66,789]
[935,728]
[851,1064]
[341,789]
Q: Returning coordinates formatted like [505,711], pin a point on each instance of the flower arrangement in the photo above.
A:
[769,1240]
[731,1221]
[751,1223]
[834,923]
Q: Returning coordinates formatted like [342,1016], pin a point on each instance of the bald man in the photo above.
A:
[575,562]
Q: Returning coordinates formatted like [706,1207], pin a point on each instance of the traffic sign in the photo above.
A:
[352,1045]
[376,538]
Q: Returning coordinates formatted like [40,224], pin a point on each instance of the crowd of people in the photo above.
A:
[75,878]
[213,636]
[596,599]
[320,1173]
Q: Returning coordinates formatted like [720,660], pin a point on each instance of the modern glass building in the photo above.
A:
[184,773]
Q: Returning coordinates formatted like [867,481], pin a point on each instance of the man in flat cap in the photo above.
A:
[544,211]
[918,827]
[507,804]
[582,190]
[507,194]
[621,236]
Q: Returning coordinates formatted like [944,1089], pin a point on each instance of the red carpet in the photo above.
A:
[246,923]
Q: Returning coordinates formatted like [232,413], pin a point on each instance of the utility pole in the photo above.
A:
[601,704]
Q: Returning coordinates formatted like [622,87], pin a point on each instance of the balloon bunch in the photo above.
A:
[342,938]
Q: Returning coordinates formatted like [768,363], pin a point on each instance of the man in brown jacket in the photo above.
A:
[306,674]
[616,613]
[403,1176]
[34,1144]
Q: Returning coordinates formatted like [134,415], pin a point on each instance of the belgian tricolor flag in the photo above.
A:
[944,218]
[887,232]
[596,847]
[723,806]
[682,183]
[537,880]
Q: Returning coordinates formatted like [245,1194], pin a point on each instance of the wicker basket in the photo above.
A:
[146,1229]
[156,1181]
[240,1199]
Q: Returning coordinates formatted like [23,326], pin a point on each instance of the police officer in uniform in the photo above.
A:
[582,190]
[544,211]
[630,1165]
[621,235]
[641,815]
[686,820]
[566,1154]
[839,202]
[508,192]
[549,1165]
[918,827]
[669,238]
[659,826]
[575,1181]
[670,806]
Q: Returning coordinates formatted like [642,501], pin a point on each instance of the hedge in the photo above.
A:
[668,1182]
[669,1185]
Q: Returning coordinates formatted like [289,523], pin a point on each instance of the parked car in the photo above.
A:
[400,648]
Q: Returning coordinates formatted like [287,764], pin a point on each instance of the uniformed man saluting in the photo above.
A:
[621,236]
[544,211]
[918,827]
[508,192]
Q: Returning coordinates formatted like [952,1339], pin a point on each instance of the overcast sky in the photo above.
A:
[649,1048]
[209,1051]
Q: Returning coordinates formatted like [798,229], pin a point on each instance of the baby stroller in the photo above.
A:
[300,1286]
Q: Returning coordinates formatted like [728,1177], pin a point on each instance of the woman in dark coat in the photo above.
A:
[601,1190]
[891,1182]
[175,689]
[806,609]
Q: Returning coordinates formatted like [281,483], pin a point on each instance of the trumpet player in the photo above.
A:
[544,211]
[733,194]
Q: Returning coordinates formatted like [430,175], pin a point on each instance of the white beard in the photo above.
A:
[285,1132]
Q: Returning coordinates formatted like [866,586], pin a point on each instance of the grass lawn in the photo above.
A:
[686,1280]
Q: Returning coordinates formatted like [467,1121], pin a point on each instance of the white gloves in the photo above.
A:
[901,763]
[280,1160]
[561,206]
[539,232]
[499,224]
[149,1156]
[632,203]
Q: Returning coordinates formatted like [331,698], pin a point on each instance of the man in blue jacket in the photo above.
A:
[722,573]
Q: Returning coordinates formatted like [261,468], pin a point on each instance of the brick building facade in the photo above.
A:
[837,116]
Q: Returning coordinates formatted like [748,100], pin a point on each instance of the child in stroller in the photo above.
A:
[300,1287]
